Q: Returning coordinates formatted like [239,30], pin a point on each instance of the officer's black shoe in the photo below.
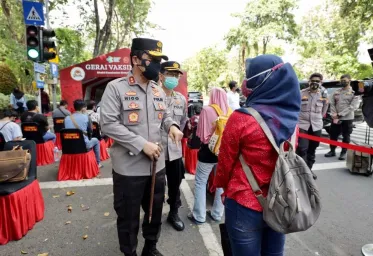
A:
[330,154]
[150,249]
[342,156]
[174,219]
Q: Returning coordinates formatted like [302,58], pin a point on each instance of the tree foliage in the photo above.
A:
[7,79]
[12,42]
[109,24]
[205,69]
[71,47]
[328,44]
[118,22]
[262,22]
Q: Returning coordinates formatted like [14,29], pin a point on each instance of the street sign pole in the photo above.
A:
[39,90]
[54,85]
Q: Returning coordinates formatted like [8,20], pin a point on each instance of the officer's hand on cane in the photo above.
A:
[152,150]
[175,134]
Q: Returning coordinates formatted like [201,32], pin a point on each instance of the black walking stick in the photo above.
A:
[154,169]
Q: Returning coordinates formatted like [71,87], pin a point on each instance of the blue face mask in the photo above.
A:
[171,82]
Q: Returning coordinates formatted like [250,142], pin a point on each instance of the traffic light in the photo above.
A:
[33,43]
[47,43]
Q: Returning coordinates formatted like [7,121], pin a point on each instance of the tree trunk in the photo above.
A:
[256,48]
[6,11]
[98,35]
[243,54]
[265,43]
[106,30]
[127,26]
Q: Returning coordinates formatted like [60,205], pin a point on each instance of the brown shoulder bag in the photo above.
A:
[14,164]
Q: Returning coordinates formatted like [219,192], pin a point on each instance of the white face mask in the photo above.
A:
[269,71]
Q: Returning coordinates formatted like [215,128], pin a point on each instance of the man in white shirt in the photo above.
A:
[233,96]
[9,129]
[92,111]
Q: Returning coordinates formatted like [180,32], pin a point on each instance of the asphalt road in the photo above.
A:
[345,224]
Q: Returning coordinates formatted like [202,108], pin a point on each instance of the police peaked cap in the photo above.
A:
[150,46]
[170,66]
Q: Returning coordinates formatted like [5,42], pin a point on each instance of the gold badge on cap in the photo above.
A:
[159,44]
[176,65]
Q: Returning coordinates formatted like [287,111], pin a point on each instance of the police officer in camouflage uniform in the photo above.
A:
[343,103]
[133,111]
[177,105]
[313,108]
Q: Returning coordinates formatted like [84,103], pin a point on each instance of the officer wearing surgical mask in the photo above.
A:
[133,112]
[177,105]
[343,104]
[313,108]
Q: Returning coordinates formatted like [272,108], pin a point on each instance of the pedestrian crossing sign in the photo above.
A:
[33,13]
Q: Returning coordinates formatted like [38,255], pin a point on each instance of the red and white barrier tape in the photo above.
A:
[337,143]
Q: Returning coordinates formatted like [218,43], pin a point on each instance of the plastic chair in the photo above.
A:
[45,154]
[2,142]
[58,125]
[76,162]
[96,133]
[24,200]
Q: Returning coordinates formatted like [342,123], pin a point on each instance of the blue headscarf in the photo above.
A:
[278,98]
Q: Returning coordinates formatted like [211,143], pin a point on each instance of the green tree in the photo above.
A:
[71,47]
[12,42]
[262,22]
[329,44]
[205,69]
[115,28]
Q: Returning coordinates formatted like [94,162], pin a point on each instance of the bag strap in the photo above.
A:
[217,109]
[254,185]
[264,127]
[4,125]
[63,113]
[76,125]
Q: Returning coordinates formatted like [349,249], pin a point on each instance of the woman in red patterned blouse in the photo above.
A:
[275,94]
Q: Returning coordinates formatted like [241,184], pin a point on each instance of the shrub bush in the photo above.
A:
[7,79]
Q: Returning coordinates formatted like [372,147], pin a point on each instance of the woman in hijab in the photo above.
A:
[273,91]
[207,160]
[18,100]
